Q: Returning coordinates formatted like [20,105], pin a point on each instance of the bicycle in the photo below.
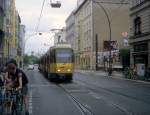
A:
[126,72]
[5,102]
[1,99]
[17,103]
[12,103]
[130,73]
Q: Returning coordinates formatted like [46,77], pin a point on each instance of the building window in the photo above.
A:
[137,26]
[137,2]
[141,47]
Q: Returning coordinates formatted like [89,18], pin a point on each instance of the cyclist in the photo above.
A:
[8,83]
[147,73]
[1,85]
[1,80]
[19,79]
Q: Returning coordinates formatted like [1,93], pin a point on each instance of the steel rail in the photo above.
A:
[84,109]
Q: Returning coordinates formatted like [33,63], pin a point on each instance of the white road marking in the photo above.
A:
[95,95]
[41,85]
[30,102]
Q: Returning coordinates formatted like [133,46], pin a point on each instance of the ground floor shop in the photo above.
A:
[140,53]
[87,60]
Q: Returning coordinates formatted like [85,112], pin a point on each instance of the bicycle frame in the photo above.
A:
[12,103]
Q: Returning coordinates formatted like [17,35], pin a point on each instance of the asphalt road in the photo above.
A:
[87,95]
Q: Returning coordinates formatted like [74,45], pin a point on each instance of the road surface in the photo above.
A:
[87,95]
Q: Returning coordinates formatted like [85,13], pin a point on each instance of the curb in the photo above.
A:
[121,78]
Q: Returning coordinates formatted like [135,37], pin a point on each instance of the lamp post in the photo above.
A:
[110,34]
[96,51]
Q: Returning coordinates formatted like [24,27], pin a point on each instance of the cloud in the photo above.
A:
[29,11]
[39,43]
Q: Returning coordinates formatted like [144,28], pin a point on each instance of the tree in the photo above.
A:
[30,59]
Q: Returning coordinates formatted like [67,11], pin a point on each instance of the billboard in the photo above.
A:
[110,45]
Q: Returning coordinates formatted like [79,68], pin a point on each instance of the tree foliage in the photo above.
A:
[30,59]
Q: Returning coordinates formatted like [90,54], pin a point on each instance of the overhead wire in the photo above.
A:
[120,5]
[39,19]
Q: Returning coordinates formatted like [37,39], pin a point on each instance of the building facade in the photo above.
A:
[60,36]
[21,44]
[90,20]
[10,30]
[70,30]
[2,14]
[10,23]
[140,32]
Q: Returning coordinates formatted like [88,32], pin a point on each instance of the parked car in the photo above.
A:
[30,67]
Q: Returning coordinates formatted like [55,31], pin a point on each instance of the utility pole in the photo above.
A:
[96,51]
[110,60]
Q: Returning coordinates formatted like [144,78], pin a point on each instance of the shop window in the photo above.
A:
[137,26]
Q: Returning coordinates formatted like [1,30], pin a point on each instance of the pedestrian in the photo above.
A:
[20,80]
[126,72]
[1,86]
[135,72]
[147,73]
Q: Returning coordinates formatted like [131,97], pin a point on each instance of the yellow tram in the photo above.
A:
[58,62]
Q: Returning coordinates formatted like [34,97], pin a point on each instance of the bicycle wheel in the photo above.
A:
[7,101]
[19,104]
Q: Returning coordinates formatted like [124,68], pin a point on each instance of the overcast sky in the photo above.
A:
[29,11]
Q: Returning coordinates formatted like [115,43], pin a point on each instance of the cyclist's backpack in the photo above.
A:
[24,77]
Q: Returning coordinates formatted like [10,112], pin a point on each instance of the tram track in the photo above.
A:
[86,84]
[82,107]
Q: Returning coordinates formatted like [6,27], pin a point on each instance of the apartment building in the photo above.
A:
[140,32]
[70,30]
[2,13]
[91,20]
[60,36]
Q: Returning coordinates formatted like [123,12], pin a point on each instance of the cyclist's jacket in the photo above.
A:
[16,76]
[1,81]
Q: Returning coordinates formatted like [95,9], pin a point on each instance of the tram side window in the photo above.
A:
[49,61]
[73,57]
[52,56]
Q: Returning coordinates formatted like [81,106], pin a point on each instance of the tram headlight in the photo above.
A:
[68,70]
[58,70]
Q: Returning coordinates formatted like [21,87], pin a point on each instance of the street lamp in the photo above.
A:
[56,4]
[110,33]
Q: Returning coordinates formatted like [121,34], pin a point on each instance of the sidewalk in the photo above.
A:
[115,74]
